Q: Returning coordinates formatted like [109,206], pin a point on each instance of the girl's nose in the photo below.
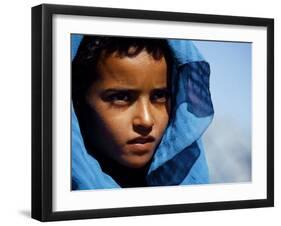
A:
[143,120]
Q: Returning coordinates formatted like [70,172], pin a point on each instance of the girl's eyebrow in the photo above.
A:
[117,89]
[161,88]
[110,91]
[107,92]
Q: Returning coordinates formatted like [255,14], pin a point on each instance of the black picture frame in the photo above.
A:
[42,108]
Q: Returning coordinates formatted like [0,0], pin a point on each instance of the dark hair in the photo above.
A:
[91,48]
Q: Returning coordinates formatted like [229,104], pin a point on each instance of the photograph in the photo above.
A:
[142,108]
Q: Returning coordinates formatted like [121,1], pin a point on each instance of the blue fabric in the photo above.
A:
[180,156]
[86,171]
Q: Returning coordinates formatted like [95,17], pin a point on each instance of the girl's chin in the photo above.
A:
[135,162]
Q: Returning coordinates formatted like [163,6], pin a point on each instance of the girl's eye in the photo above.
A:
[120,98]
[160,96]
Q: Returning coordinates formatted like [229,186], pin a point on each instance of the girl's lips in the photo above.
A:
[141,149]
[141,145]
[141,140]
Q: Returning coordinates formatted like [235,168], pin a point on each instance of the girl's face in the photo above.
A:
[129,105]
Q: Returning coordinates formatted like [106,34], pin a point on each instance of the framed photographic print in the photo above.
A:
[139,112]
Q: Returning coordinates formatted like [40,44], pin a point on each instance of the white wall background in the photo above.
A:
[15,113]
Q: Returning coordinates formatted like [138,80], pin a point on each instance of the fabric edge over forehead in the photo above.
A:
[185,51]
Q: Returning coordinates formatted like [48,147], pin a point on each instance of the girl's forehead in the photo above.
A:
[139,69]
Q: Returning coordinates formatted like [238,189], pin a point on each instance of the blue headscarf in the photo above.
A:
[180,157]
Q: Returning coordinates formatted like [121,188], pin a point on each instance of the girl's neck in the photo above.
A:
[124,176]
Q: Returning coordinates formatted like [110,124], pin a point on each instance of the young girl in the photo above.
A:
[142,106]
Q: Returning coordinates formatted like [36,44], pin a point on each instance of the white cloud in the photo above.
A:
[228,151]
